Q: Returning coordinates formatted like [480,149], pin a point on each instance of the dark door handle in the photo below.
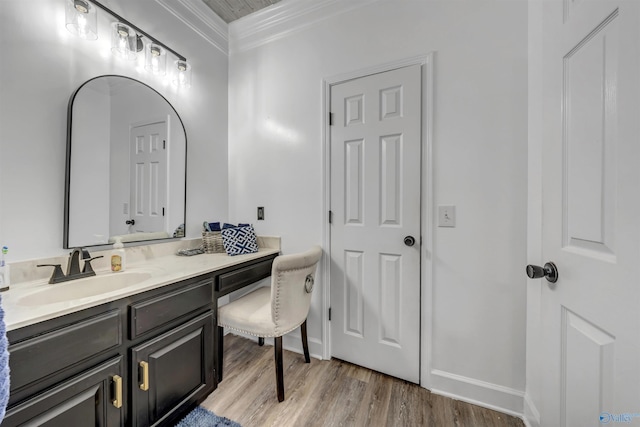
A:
[409,241]
[130,222]
[550,271]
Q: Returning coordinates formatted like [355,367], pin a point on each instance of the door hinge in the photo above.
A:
[329,313]
[330,217]
[331,119]
[162,211]
[164,144]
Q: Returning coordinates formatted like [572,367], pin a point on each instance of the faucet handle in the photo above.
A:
[87,264]
[57,275]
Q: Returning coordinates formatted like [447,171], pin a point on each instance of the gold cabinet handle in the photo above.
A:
[145,376]
[117,382]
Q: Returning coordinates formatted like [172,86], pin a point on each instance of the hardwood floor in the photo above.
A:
[331,393]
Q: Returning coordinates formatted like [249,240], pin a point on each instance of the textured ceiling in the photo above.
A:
[230,10]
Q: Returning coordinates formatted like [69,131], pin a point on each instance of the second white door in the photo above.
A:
[375,229]
[590,341]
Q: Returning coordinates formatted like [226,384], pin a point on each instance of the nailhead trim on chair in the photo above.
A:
[261,336]
[276,314]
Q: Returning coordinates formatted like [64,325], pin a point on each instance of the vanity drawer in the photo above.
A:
[158,311]
[228,282]
[46,354]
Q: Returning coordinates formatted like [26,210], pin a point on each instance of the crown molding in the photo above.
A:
[197,16]
[284,19]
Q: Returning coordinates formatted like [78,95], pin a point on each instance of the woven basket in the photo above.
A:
[212,242]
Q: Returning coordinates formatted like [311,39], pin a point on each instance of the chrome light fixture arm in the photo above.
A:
[137,29]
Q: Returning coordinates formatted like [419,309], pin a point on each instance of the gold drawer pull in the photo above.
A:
[117,382]
[145,376]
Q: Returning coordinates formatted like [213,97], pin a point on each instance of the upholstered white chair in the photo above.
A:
[271,312]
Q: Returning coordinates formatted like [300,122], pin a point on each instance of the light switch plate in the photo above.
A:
[446,216]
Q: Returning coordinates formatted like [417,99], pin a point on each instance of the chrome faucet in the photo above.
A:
[73,267]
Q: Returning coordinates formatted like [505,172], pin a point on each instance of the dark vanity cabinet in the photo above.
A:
[139,361]
[88,398]
[177,365]
[145,360]
[68,370]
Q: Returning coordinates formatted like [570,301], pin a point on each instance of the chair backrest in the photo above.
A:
[292,278]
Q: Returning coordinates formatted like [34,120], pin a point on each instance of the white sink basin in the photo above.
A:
[83,288]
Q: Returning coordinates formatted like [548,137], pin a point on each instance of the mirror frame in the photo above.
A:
[67,174]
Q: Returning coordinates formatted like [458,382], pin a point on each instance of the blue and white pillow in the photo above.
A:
[239,240]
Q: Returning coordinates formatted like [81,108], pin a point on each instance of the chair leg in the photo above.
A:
[305,344]
[279,368]
[260,341]
[220,352]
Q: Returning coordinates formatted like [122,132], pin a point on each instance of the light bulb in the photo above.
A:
[82,26]
[155,59]
[183,74]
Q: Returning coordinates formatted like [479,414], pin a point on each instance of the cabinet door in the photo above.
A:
[172,371]
[93,398]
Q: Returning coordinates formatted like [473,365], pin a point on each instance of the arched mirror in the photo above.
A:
[126,165]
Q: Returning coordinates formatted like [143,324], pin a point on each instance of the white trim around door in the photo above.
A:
[426,215]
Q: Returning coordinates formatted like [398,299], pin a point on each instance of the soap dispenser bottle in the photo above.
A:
[118,256]
[4,271]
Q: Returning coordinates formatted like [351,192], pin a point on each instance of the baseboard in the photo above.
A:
[291,342]
[492,396]
[531,415]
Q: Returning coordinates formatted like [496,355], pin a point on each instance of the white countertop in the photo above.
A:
[158,271]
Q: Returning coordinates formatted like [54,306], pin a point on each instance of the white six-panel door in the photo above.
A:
[148,177]
[375,201]
[591,217]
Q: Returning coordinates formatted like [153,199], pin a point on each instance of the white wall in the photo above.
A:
[275,147]
[480,165]
[42,64]
[91,126]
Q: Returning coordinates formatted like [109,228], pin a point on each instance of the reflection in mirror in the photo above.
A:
[126,165]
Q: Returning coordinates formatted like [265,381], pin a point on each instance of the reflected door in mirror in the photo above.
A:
[148,176]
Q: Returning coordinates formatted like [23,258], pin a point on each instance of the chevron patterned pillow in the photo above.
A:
[239,240]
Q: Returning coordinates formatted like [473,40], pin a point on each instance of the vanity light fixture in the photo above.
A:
[126,40]
[82,19]
[183,74]
[155,59]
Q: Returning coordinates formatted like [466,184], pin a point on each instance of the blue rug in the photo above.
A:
[201,417]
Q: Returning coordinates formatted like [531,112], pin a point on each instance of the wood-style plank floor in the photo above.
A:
[331,393]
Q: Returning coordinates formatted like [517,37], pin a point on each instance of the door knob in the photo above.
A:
[409,241]
[130,222]
[550,271]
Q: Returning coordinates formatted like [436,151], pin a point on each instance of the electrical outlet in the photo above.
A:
[446,216]
[260,213]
